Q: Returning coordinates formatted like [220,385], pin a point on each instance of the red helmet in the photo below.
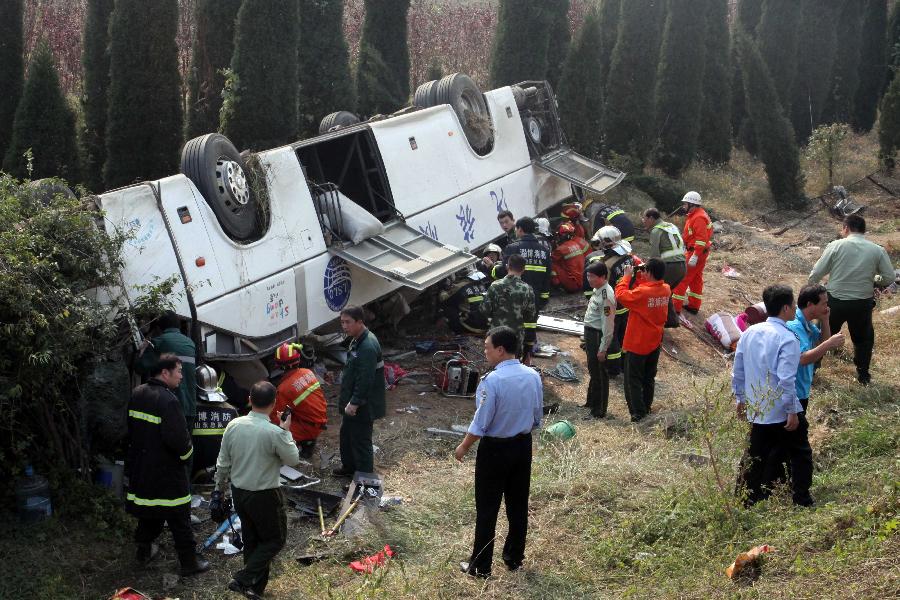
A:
[573,210]
[565,228]
[288,354]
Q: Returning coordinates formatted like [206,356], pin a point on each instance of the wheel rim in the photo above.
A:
[232,178]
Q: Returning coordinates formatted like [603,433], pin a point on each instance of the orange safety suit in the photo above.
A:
[648,306]
[301,390]
[697,240]
[567,264]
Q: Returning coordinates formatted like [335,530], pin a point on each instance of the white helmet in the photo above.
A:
[692,198]
[607,235]
[492,248]
[543,226]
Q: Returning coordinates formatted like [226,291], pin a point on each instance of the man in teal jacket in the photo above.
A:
[362,394]
[172,340]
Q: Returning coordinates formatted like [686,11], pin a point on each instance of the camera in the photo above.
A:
[640,268]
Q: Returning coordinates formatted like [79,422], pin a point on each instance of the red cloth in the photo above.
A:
[300,389]
[648,304]
[567,264]
[368,564]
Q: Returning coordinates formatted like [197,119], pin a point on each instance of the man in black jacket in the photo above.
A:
[159,446]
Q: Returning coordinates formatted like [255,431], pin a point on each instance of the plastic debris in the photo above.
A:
[412,408]
[730,272]
[564,371]
[368,564]
[747,563]
[227,546]
[387,501]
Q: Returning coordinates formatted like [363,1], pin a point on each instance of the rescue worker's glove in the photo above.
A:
[218,510]
[693,261]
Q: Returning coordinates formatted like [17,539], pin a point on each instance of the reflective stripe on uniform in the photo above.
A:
[589,293]
[158,501]
[188,360]
[621,311]
[217,431]
[538,268]
[677,297]
[577,252]
[307,392]
[614,214]
[700,243]
[475,299]
[675,240]
[545,295]
[187,454]
[697,296]
[136,414]
[614,355]
[629,239]
[529,325]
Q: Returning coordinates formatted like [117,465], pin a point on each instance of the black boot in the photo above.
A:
[191,564]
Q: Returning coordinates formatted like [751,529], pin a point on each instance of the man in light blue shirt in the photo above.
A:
[812,304]
[763,382]
[509,403]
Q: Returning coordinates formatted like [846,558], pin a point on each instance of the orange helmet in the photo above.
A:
[573,210]
[565,228]
[288,354]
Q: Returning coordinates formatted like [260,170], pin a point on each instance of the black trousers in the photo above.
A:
[356,442]
[614,364]
[675,272]
[502,471]
[264,531]
[640,382]
[857,314]
[598,386]
[179,521]
[763,462]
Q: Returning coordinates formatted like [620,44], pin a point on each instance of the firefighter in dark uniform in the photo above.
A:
[613,215]
[537,261]
[461,304]
[213,415]
[489,257]
[362,394]
[159,447]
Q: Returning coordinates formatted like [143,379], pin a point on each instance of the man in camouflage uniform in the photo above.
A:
[510,302]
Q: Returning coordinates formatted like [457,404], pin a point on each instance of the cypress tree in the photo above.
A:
[773,132]
[609,32]
[815,60]
[520,44]
[382,73]
[777,39]
[845,73]
[872,65]
[893,42]
[889,125]
[259,110]
[560,38]
[143,125]
[326,84]
[748,16]
[581,91]
[211,52]
[95,61]
[632,79]
[12,68]
[45,124]
[714,140]
[678,85]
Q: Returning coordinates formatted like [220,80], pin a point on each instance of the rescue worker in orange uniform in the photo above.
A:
[575,213]
[567,260]
[648,304]
[299,388]
[697,241]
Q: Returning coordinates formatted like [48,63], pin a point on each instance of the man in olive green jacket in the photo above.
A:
[172,340]
[362,394]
